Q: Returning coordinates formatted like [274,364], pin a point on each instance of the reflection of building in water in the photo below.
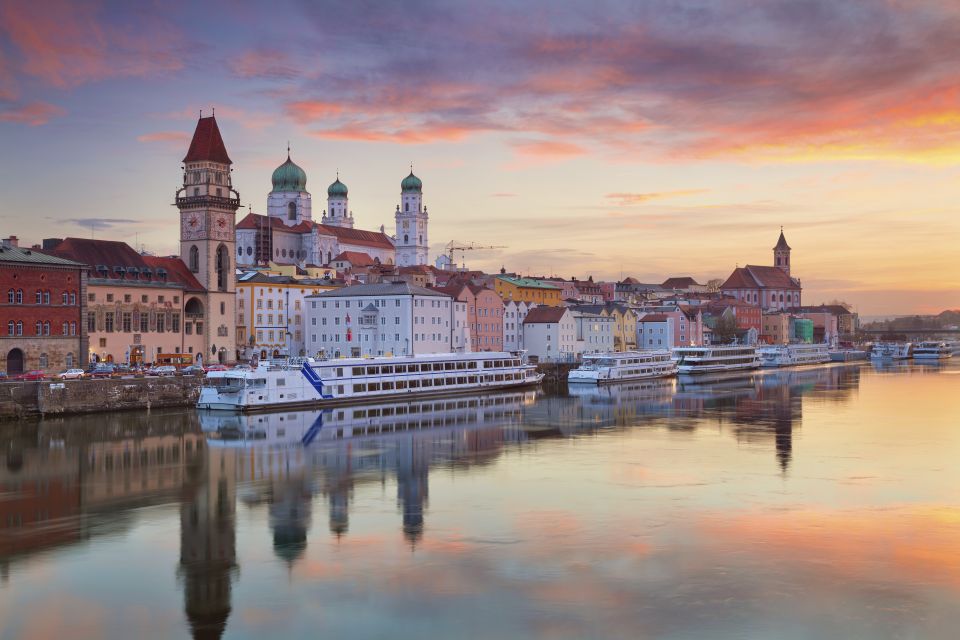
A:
[208,544]
[412,461]
[290,498]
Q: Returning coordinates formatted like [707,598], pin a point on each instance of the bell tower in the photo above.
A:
[412,244]
[208,206]
[781,254]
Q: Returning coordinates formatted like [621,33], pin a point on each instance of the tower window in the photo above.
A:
[292,211]
[406,206]
[223,268]
[194,259]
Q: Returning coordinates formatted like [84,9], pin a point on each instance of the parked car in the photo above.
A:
[3,375]
[102,371]
[165,370]
[214,367]
[32,375]
[192,370]
[71,374]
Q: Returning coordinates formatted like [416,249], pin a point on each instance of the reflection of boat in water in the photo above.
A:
[790,355]
[849,355]
[601,368]
[716,384]
[303,428]
[642,391]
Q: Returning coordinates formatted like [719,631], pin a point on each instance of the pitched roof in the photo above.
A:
[355,258]
[348,236]
[759,277]
[683,282]
[382,289]
[25,255]
[782,242]
[653,317]
[176,271]
[527,283]
[543,314]
[207,144]
[112,253]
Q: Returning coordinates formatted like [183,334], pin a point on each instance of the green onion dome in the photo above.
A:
[337,189]
[289,177]
[411,184]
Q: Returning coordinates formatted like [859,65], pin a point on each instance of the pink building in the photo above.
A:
[668,328]
[484,314]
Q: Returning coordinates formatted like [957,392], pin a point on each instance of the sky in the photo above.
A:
[646,139]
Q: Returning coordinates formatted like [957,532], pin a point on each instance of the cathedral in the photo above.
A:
[289,234]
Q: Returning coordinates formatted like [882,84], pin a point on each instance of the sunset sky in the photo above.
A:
[650,139]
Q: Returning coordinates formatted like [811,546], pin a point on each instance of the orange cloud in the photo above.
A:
[547,149]
[628,199]
[420,135]
[66,44]
[305,111]
[33,114]
[173,137]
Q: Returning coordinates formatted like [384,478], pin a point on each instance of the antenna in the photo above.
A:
[288,149]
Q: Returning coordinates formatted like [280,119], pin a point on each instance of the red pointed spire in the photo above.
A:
[207,143]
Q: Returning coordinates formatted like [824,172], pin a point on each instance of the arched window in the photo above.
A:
[329,257]
[194,259]
[11,327]
[19,327]
[406,238]
[19,296]
[778,261]
[284,253]
[223,268]
[73,297]
[65,329]
[291,211]
[781,297]
[11,296]
[406,206]
[39,297]
[65,298]
[39,328]
[239,252]
[46,297]
[46,328]
[249,251]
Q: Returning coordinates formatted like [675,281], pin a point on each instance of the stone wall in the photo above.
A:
[20,400]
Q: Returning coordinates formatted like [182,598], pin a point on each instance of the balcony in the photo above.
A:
[199,202]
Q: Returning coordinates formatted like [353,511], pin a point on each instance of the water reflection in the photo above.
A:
[74,480]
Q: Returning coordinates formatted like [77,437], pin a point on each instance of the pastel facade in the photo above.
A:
[514,314]
[527,290]
[380,319]
[550,334]
[594,332]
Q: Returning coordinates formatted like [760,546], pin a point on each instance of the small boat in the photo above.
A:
[715,359]
[599,368]
[849,355]
[791,355]
[932,351]
[891,351]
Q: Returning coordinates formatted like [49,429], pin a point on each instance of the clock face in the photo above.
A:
[221,227]
[191,225]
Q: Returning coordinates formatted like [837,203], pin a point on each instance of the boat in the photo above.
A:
[715,359]
[849,355]
[790,355]
[305,382]
[599,368]
[891,351]
[932,351]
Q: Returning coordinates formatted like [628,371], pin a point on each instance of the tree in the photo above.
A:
[714,285]
[725,329]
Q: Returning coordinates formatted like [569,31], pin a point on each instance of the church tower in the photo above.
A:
[208,206]
[781,254]
[289,200]
[412,244]
[338,212]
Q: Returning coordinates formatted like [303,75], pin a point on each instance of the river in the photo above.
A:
[806,503]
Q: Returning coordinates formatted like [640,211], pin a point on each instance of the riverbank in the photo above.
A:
[25,400]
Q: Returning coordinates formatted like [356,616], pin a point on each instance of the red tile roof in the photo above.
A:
[348,236]
[653,317]
[112,253]
[758,277]
[684,282]
[355,258]
[207,144]
[543,314]
[177,271]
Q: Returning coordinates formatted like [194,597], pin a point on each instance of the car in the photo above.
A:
[32,375]
[71,374]
[214,367]
[192,370]
[165,370]
[103,371]
[3,375]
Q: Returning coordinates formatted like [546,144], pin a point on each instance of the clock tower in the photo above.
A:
[208,205]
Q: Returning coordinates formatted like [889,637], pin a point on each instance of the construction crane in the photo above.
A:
[453,245]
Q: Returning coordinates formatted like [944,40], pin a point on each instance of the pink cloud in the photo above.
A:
[549,149]
[33,114]
[180,138]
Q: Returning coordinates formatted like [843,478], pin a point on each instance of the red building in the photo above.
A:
[748,316]
[42,305]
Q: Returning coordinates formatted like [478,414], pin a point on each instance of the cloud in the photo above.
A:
[267,64]
[66,44]
[503,194]
[33,114]
[99,224]
[628,199]
[173,137]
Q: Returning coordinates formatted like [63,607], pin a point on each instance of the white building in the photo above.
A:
[411,240]
[514,314]
[550,334]
[594,332]
[380,319]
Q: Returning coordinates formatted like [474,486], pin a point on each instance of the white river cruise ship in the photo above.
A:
[345,381]
[891,351]
[791,355]
[715,359]
[598,368]
[932,351]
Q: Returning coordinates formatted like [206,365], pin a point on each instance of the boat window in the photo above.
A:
[387,386]
[373,386]
[401,384]
[426,382]
[358,371]
[386,369]
[401,368]
[414,384]
[449,366]
[438,366]
[339,372]
[281,382]
[360,388]
[373,371]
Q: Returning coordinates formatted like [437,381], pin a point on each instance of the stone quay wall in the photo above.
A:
[19,400]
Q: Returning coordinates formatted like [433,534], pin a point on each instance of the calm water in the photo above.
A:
[818,503]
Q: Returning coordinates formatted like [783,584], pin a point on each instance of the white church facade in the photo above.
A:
[288,234]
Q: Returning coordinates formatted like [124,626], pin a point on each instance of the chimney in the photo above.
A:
[49,244]
[12,241]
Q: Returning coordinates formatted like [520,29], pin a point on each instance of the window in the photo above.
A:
[11,327]
[144,322]
[19,296]
[175,323]
[109,297]
[73,298]
[44,361]
[127,321]
[39,297]
[292,211]
[11,296]
[223,308]
[194,260]
[73,328]
[65,298]
[92,322]
[68,360]
[19,327]
[108,322]
[160,323]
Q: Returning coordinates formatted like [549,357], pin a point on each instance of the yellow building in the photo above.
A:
[271,322]
[527,290]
